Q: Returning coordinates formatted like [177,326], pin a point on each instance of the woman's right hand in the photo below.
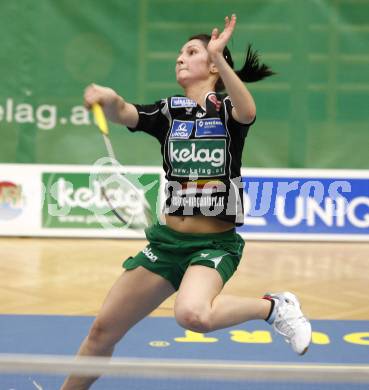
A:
[115,108]
[98,94]
[109,100]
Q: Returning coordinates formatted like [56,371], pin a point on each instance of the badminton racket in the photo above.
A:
[121,191]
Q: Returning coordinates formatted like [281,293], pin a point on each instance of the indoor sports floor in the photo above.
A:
[51,289]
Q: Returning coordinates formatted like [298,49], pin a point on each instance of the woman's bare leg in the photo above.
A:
[134,295]
[201,307]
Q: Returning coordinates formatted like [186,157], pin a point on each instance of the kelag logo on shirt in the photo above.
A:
[180,102]
[212,127]
[181,129]
[203,158]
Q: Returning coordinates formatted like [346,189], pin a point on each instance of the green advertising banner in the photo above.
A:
[312,114]
[75,201]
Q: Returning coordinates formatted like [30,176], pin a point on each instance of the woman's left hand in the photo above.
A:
[219,41]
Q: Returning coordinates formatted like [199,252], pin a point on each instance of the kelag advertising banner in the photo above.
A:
[73,200]
[280,204]
[67,201]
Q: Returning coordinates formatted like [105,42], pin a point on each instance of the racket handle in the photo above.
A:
[100,118]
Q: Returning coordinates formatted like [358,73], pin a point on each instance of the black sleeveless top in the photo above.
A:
[202,151]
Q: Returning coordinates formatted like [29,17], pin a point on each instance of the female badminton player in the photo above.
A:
[196,250]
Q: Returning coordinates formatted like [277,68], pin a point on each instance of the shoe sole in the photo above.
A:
[305,350]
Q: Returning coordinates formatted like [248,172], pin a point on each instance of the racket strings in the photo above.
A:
[123,192]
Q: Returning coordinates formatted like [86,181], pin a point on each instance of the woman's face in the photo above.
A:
[192,63]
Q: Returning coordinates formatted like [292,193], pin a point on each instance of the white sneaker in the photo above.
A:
[290,322]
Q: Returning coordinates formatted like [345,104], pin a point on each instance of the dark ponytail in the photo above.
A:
[251,70]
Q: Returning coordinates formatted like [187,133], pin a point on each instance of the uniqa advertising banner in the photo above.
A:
[307,204]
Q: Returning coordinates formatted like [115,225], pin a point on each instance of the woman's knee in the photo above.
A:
[103,334]
[193,317]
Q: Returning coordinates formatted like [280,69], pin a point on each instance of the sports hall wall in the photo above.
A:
[313,114]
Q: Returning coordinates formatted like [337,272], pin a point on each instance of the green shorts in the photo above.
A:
[169,253]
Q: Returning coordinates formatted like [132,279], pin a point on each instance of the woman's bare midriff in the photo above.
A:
[197,224]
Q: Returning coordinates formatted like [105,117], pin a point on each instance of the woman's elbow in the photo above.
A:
[246,116]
